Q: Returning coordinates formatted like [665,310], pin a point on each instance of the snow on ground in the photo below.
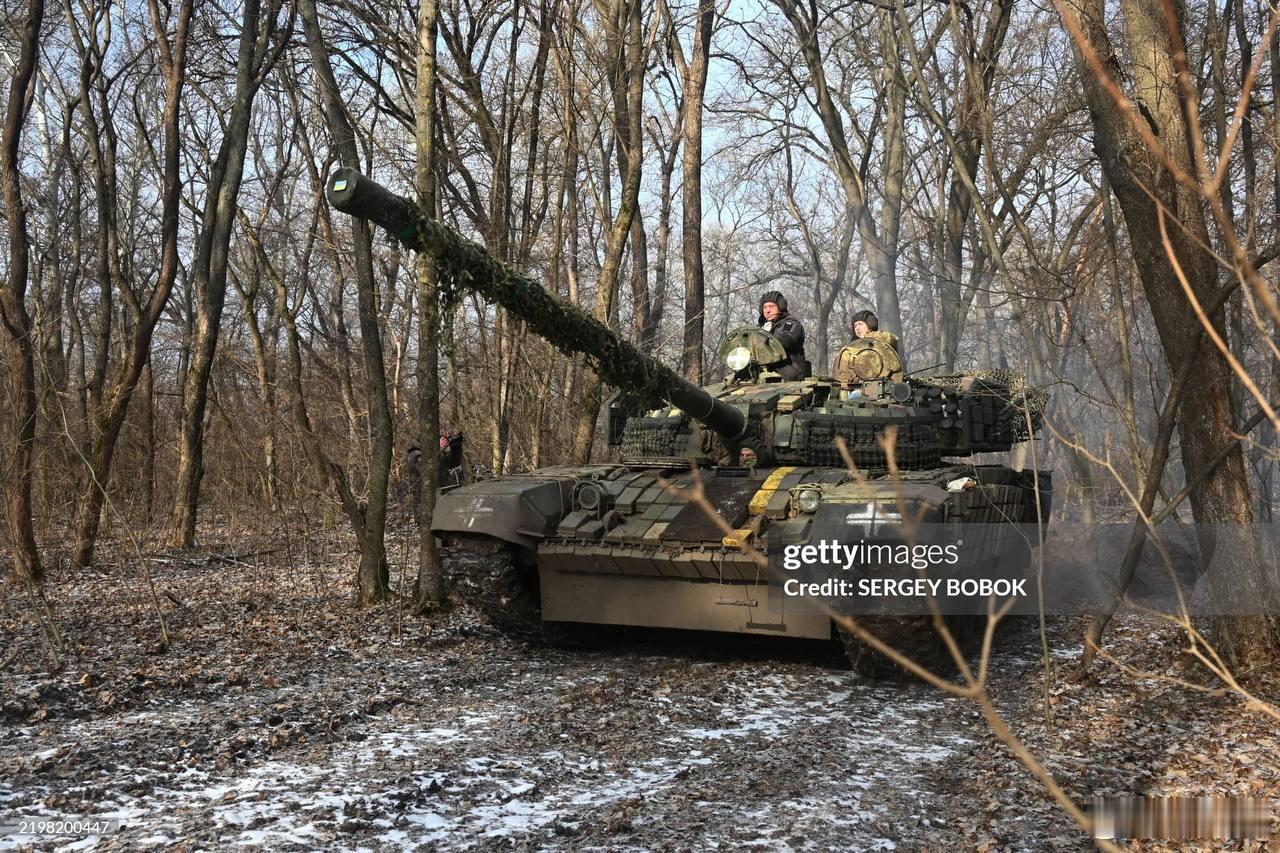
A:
[280,717]
[456,783]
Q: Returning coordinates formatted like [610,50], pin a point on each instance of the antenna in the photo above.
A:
[923,369]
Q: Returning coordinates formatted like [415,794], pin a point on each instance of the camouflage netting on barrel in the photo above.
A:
[1023,412]
[465,266]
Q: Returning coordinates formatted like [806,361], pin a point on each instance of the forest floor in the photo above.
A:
[282,716]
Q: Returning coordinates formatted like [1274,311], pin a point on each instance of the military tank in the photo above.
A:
[777,462]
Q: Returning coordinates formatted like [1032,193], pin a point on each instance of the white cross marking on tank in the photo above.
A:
[477,506]
[872,515]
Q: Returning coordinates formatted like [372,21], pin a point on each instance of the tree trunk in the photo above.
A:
[882,242]
[430,585]
[642,305]
[695,87]
[18,328]
[373,573]
[628,73]
[213,245]
[881,249]
[263,358]
[149,442]
[572,226]
[662,265]
[52,361]
[108,414]
[968,136]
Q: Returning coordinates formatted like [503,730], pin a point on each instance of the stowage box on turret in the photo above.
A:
[626,544]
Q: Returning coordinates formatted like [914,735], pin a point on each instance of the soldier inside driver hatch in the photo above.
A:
[788,331]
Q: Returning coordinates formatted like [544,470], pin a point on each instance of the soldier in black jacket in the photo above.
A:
[789,331]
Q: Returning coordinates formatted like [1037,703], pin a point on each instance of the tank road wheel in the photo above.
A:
[489,575]
[916,638]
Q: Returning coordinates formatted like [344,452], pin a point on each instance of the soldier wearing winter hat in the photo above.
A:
[788,331]
[867,325]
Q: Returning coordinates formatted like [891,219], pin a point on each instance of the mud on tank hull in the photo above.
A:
[611,545]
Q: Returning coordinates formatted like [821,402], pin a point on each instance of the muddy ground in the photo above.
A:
[283,717]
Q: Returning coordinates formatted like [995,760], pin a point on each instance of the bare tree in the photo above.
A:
[964,136]
[667,142]
[880,241]
[626,51]
[19,340]
[369,516]
[694,74]
[213,243]
[109,411]
[1167,223]
[482,107]
[430,586]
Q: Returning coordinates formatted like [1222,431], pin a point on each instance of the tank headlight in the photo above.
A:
[738,358]
[807,500]
[588,496]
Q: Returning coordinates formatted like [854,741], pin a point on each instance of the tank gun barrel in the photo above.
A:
[566,326]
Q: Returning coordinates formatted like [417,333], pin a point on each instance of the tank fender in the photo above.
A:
[519,510]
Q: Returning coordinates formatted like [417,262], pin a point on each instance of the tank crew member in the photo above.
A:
[789,332]
[867,325]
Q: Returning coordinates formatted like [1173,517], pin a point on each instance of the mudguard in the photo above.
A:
[521,510]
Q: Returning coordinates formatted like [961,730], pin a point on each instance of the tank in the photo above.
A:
[781,463]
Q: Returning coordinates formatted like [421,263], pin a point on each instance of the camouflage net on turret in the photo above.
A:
[1023,414]
[464,265]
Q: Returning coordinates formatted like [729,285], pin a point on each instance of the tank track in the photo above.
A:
[915,637]
[485,574]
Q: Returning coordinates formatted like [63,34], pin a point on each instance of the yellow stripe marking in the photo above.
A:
[738,538]
[760,500]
